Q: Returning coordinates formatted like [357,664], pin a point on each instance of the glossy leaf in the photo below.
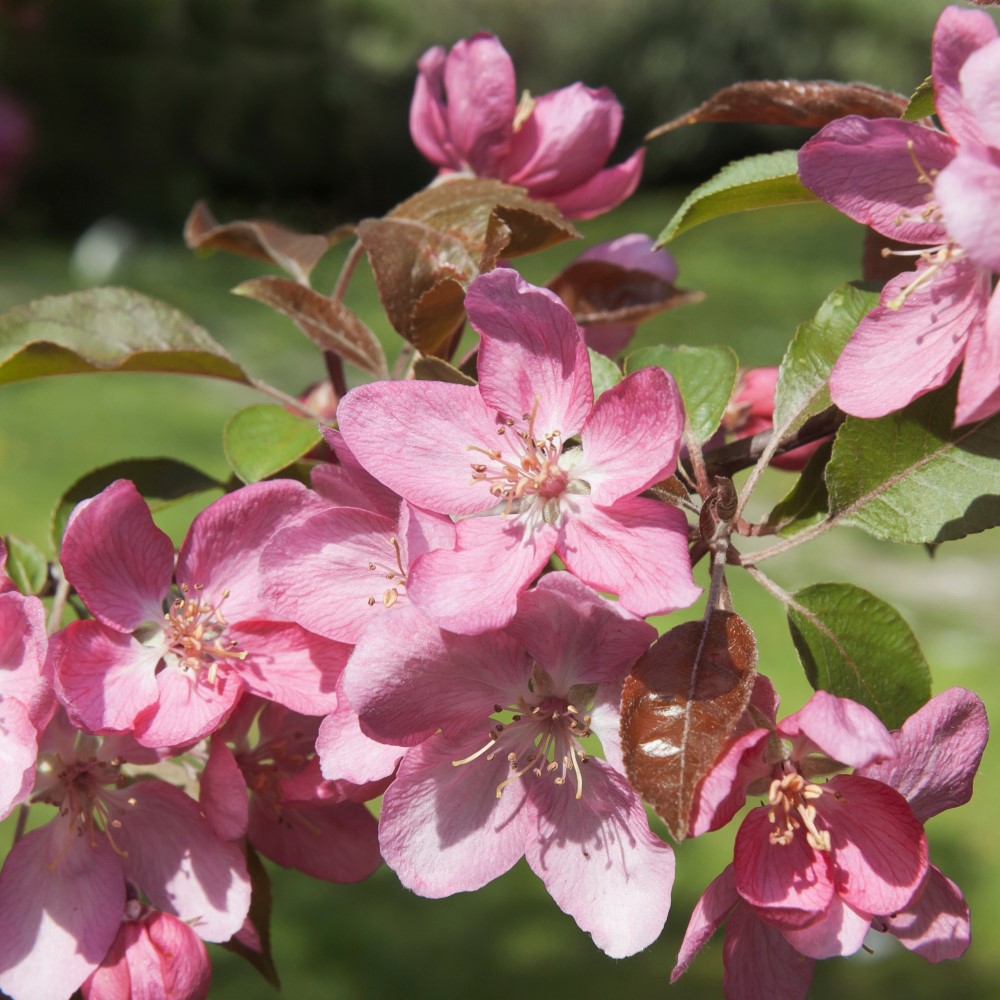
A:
[294,252]
[160,481]
[909,477]
[679,706]
[856,646]
[807,103]
[807,502]
[604,373]
[706,377]
[438,370]
[107,329]
[264,439]
[762,181]
[27,566]
[921,103]
[330,325]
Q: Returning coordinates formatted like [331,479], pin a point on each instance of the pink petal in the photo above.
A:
[792,880]
[636,549]
[23,648]
[897,354]
[184,869]
[609,339]
[577,635]
[938,753]
[841,930]
[723,790]
[841,728]
[958,34]
[634,252]
[223,793]
[475,587]
[532,358]
[479,83]
[18,751]
[61,901]
[867,169]
[878,845]
[980,82]
[604,191]
[632,436]
[600,862]
[759,962]
[979,387]
[710,913]
[428,121]
[187,971]
[346,752]
[290,665]
[106,680]
[329,573]
[442,828]
[120,563]
[968,191]
[422,531]
[333,841]
[348,484]
[415,437]
[936,924]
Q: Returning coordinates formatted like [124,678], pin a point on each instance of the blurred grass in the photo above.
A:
[764,273]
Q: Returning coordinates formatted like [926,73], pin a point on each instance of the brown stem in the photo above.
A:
[346,272]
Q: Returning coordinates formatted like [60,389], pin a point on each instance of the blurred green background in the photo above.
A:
[296,110]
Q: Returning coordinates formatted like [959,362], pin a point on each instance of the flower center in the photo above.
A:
[195,632]
[790,807]
[394,574]
[542,737]
[530,471]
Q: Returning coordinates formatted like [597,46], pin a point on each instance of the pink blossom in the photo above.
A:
[476,794]
[781,907]
[64,886]
[529,465]
[465,117]
[173,677]
[939,190]
[154,955]
[293,817]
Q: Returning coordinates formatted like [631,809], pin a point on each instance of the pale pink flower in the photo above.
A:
[475,794]
[528,465]
[64,885]
[170,669]
[939,190]
[294,816]
[872,857]
[465,117]
[154,956]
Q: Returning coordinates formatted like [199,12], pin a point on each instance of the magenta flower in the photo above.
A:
[529,465]
[64,886]
[783,911]
[476,794]
[941,191]
[154,955]
[170,669]
[465,117]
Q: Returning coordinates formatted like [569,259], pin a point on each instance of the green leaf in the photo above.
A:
[856,646]
[802,389]
[706,377]
[27,566]
[921,102]
[762,181]
[909,477]
[161,481]
[604,373]
[807,502]
[264,439]
[107,329]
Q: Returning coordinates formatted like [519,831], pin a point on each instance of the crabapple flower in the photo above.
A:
[154,955]
[941,191]
[171,678]
[465,117]
[477,794]
[294,817]
[528,464]
[929,767]
[64,886]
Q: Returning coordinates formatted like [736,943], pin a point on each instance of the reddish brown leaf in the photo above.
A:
[328,324]
[809,103]
[437,370]
[679,706]
[297,253]
[597,291]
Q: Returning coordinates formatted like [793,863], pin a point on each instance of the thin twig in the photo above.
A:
[22,822]
[59,599]
[806,535]
[697,461]
[407,355]
[347,272]
[286,400]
